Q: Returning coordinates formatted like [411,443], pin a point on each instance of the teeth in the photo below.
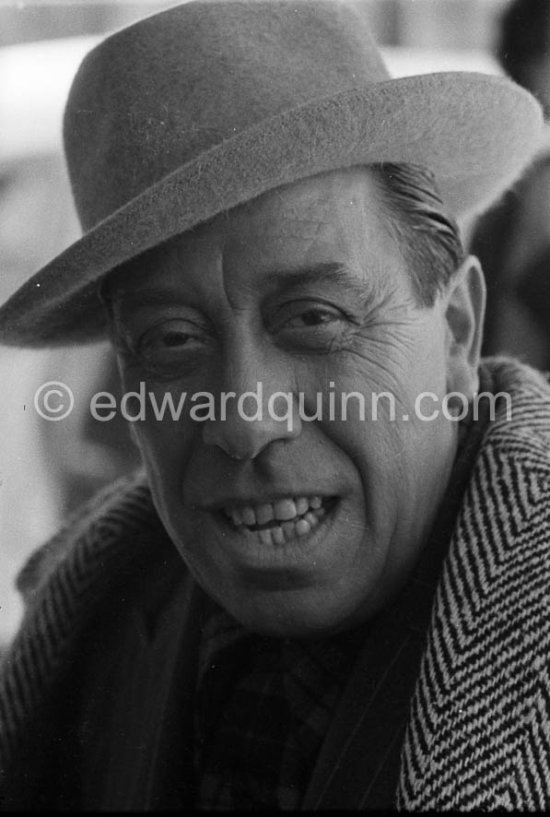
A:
[265,537]
[286,509]
[278,535]
[236,516]
[249,517]
[288,529]
[302,527]
[264,514]
[295,517]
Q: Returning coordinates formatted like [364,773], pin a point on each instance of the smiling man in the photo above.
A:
[328,587]
[310,526]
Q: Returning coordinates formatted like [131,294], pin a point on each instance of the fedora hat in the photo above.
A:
[206,105]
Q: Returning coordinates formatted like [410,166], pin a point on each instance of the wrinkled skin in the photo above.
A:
[305,290]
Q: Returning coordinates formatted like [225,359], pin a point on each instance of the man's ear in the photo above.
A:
[464,318]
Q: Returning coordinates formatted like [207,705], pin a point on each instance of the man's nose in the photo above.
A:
[257,408]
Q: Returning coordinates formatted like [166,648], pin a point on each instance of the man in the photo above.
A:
[297,606]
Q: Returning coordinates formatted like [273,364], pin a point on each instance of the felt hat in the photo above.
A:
[206,105]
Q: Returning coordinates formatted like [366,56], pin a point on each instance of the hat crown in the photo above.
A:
[156,95]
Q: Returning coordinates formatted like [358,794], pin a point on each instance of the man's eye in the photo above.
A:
[313,317]
[172,344]
[313,325]
[170,339]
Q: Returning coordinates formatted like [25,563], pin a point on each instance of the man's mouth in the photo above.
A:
[279,521]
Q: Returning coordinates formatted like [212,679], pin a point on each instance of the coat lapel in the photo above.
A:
[166,777]
[356,766]
[479,730]
[137,740]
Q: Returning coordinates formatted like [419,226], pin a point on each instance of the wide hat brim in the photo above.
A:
[475,132]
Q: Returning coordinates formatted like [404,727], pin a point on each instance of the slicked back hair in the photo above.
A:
[429,237]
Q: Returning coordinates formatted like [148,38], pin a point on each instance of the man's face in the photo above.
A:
[305,530]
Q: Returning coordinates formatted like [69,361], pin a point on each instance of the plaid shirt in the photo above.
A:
[263,709]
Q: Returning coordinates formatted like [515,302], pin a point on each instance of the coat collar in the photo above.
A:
[479,733]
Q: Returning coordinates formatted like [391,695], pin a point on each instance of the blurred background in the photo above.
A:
[48,468]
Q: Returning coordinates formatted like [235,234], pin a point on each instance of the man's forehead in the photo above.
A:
[312,201]
[324,208]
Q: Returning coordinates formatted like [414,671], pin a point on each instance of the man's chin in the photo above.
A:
[303,615]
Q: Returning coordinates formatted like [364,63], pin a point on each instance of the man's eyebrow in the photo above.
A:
[333,274]
[143,297]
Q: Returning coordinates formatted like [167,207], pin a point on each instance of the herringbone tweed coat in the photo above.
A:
[478,734]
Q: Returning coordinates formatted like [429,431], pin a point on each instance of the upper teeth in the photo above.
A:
[283,510]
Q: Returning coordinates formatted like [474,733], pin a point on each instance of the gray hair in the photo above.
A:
[429,237]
